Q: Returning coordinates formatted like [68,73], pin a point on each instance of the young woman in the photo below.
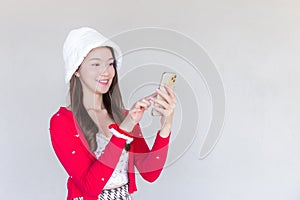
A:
[96,140]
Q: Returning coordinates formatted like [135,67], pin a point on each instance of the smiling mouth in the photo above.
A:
[103,81]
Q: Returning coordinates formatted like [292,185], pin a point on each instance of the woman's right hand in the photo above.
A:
[136,112]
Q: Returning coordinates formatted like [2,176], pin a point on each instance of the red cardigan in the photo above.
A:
[87,174]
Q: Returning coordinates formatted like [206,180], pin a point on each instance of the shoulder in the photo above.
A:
[63,118]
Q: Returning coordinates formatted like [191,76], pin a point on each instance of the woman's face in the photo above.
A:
[97,71]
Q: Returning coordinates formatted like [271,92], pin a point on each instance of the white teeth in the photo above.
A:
[103,81]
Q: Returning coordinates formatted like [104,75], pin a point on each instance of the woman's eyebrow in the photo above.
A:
[100,59]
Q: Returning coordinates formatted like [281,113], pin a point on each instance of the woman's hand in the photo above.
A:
[135,114]
[166,107]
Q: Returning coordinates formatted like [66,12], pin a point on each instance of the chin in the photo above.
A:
[102,91]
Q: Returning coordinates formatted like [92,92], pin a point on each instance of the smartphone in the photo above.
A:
[167,78]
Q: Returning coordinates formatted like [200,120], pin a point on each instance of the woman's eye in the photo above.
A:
[111,64]
[96,64]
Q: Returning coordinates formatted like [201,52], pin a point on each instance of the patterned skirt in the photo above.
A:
[120,193]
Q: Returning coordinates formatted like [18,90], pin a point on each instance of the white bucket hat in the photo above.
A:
[79,43]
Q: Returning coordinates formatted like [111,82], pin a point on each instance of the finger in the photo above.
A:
[149,97]
[164,95]
[170,91]
[147,102]
[140,104]
[162,103]
[136,110]
[160,110]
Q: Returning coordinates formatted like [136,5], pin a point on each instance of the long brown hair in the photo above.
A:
[112,101]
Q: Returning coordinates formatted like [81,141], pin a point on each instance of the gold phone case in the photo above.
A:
[168,78]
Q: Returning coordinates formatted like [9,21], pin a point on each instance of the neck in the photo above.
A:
[93,101]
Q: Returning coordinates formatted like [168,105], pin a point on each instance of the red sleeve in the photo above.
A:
[149,162]
[87,172]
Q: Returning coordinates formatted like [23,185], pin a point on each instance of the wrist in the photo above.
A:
[165,131]
[120,133]
[127,124]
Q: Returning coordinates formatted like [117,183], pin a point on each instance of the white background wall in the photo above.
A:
[256,47]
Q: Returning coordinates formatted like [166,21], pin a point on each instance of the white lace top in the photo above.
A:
[119,176]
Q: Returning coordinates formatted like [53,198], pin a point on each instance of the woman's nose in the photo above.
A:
[104,70]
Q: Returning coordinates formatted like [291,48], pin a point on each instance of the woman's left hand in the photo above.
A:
[166,108]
